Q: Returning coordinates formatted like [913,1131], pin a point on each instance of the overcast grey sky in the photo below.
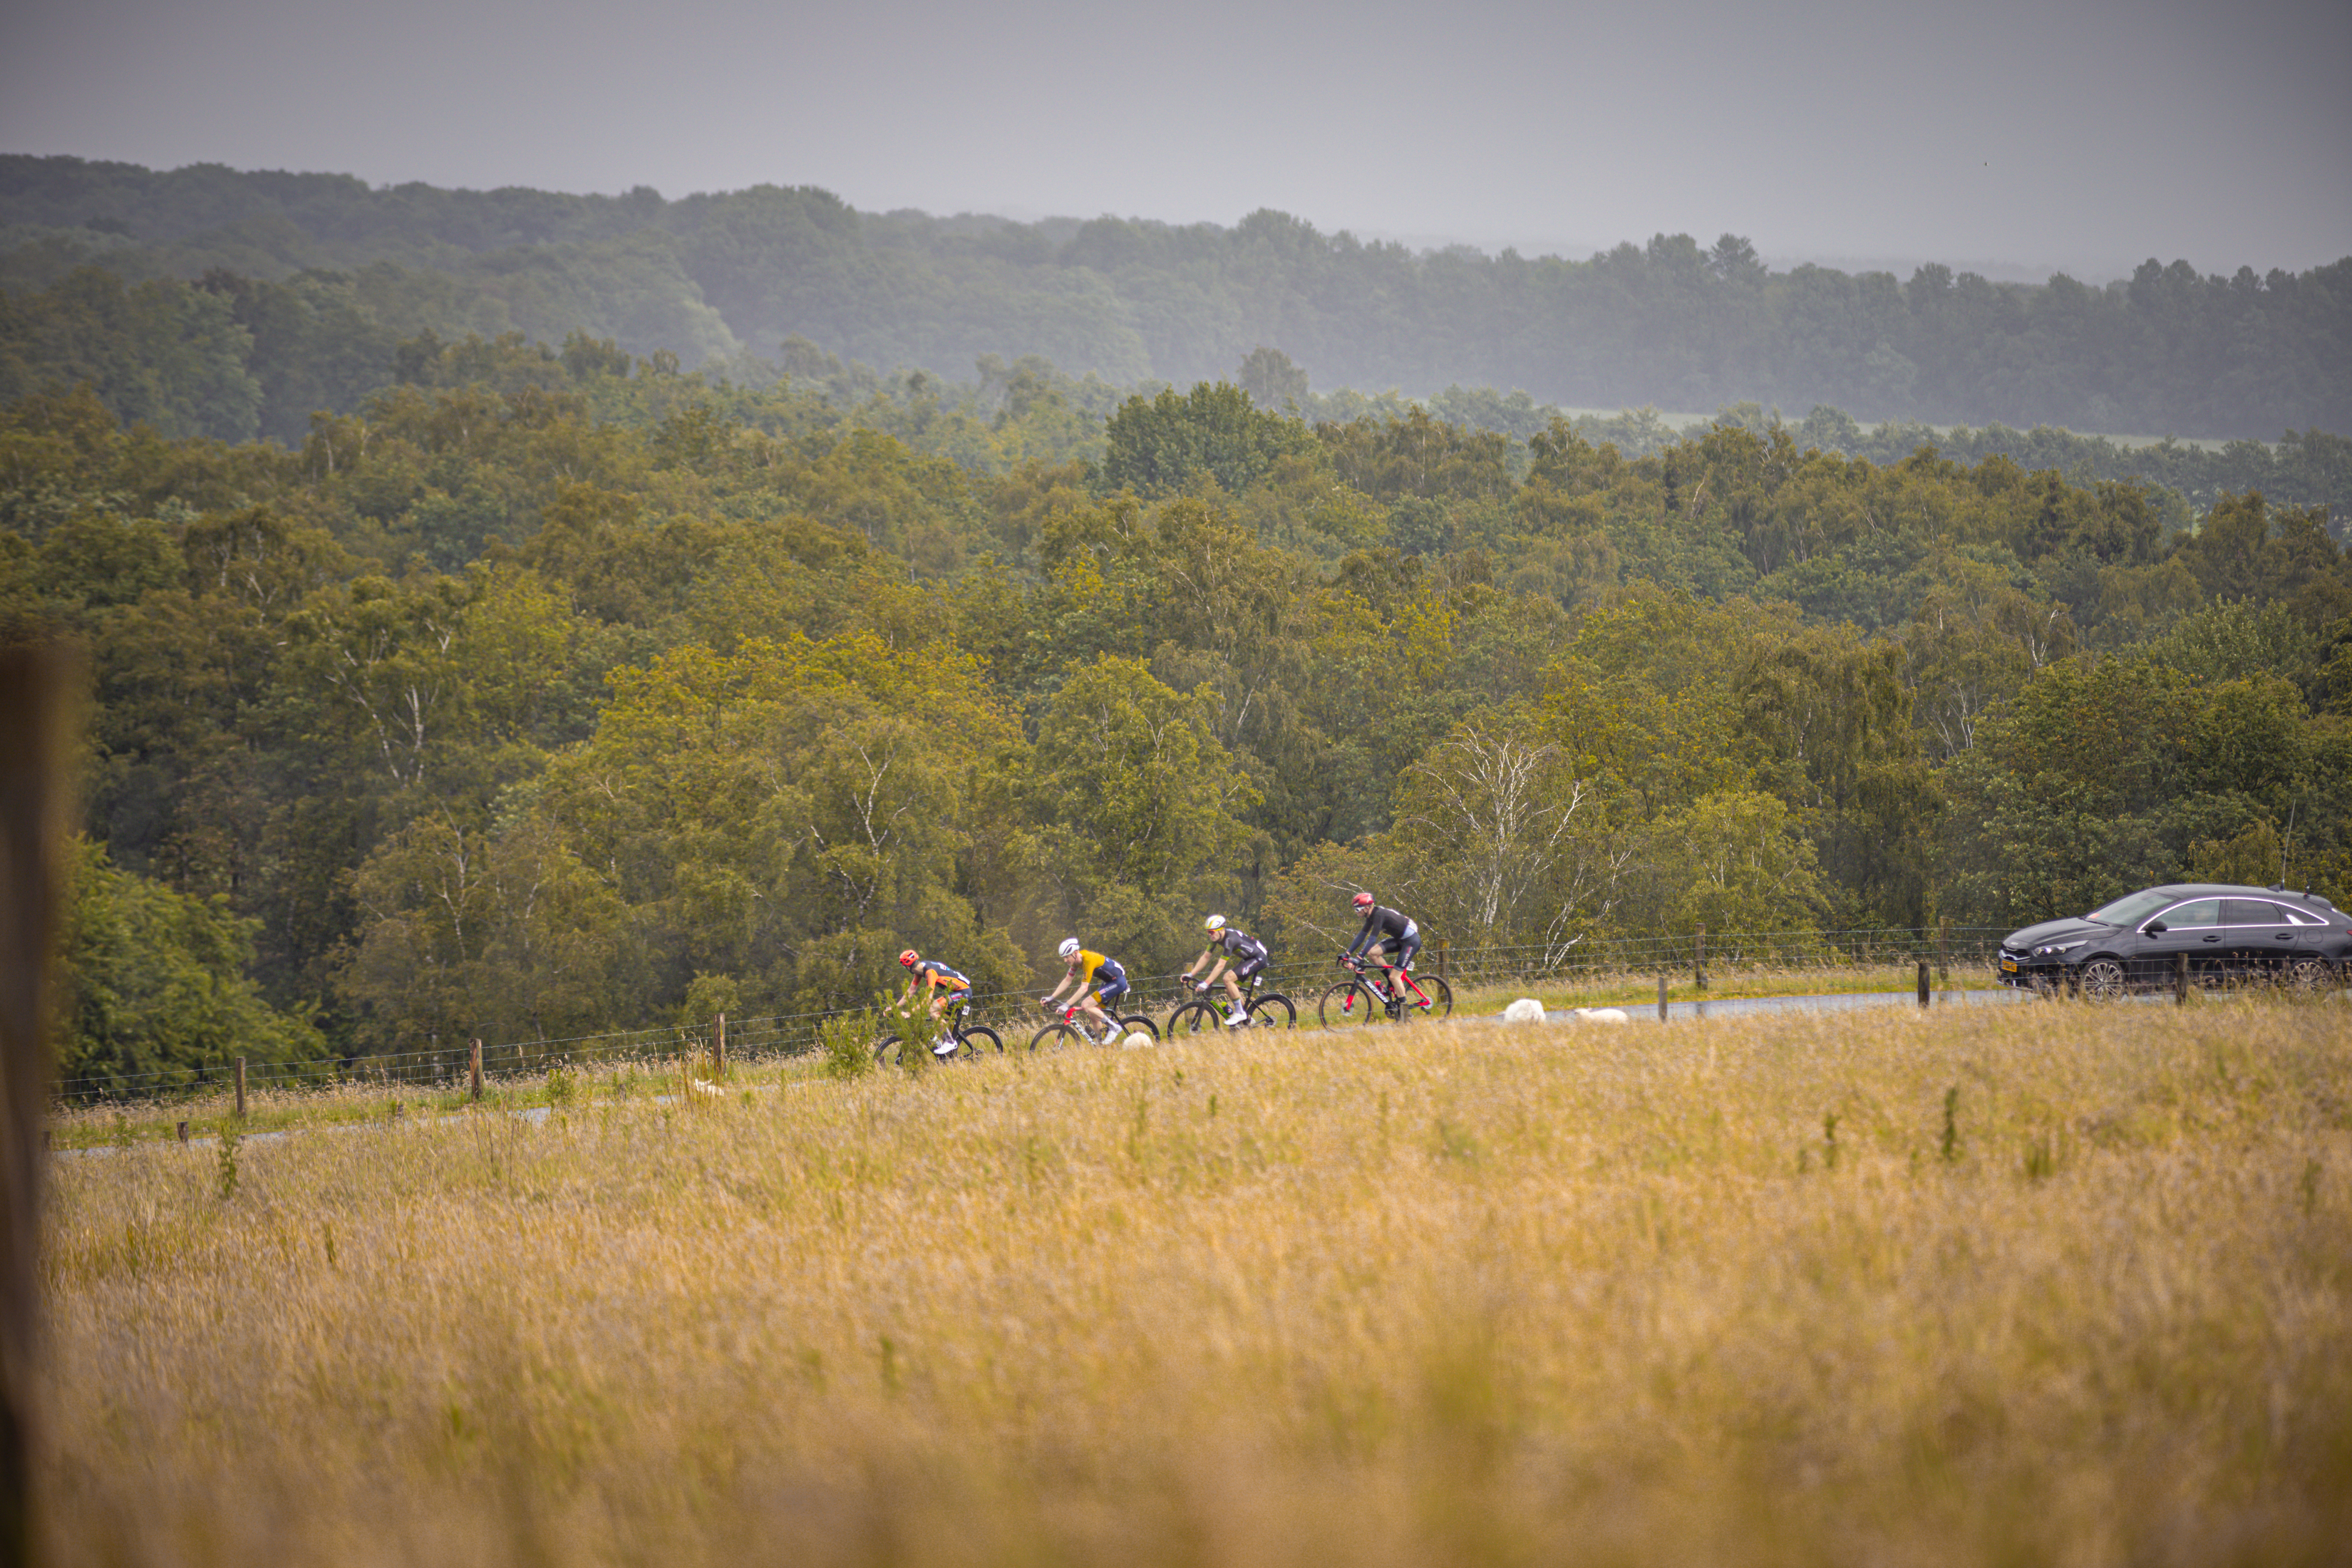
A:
[2087,134]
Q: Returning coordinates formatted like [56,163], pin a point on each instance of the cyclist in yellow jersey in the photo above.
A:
[1092,981]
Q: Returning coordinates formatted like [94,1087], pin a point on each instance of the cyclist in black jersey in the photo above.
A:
[1243,952]
[1399,938]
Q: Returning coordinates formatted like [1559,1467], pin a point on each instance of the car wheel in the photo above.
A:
[2103,979]
[2307,974]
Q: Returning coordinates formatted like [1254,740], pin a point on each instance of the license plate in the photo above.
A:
[2009,966]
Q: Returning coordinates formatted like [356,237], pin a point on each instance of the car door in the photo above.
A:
[2193,928]
[2261,937]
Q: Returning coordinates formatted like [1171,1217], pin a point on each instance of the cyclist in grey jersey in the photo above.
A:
[1399,938]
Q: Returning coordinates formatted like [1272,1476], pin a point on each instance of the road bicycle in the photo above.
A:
[1197,1015]
[1073,1029]
[969,1040]
[1359,1000]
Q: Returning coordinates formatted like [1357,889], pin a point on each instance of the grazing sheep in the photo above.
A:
[1138,1041]
[713,1090]
[1526,1010]
[1601,1015]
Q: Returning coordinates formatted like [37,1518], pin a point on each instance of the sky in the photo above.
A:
[2028,135]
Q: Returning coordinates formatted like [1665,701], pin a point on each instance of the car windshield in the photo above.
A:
[2132,910]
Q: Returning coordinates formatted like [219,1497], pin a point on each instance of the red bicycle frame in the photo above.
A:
[1401,970]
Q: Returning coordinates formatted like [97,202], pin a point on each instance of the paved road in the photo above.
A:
[1836,1002]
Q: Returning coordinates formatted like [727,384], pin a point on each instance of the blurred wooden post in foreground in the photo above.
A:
[38,692]
[2181,979]
[718,1046]
[240,1088]
[476,1065]
[1662,998]
[1698,961]
[1441,958]
[1943,957]
[1924,994]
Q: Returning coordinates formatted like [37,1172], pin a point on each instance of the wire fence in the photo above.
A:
[1699,956]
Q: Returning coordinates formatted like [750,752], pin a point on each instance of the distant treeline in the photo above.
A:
[230,358]
[1671,323]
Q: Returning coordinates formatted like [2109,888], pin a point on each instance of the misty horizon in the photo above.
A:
[2084,137]
[1994,269]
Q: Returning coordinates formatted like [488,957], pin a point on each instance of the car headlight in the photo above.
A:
[2052,950]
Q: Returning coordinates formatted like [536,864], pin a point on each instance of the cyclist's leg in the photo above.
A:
[1407,991]
[1239,1013]
[951,1008]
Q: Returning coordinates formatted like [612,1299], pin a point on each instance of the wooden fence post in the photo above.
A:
[1662,997]
[240,1088]
[1698,961]
[475,1065]
[1924,994]
[718,1046]
[184,1131]
[2181,979]
[1441,958]
[1944,956]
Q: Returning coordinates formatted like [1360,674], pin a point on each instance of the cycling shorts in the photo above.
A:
[1111,981]
[1248,966]
[1400,951]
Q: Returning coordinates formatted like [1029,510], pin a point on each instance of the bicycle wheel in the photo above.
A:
[1349,1004]
[1137,1023]
[1273,1011]
[1056,1035]
[886,1050]
[1193,1018]
[979,1039]
[1440,995]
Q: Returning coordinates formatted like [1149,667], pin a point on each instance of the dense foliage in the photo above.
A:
[318,268]
[553,691]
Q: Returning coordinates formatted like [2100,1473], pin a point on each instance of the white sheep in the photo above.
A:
[1601,1015]
[1526,1010]
[1138,1041]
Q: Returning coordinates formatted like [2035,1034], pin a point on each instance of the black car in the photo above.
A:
[2226,933]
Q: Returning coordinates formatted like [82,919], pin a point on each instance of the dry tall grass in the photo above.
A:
[1716,1292]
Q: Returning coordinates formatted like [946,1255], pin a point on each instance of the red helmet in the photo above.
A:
[1363,901]
[908,958]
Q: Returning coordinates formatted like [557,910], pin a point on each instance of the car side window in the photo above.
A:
[2301,917]
[2196,912]
[2252,913]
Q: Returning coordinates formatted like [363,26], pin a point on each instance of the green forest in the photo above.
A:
[557,690]
[209,302]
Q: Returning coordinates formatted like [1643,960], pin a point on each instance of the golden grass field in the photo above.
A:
[1720,1291]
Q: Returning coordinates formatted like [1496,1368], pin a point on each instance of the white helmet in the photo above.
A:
[1069,948]
[1216,922]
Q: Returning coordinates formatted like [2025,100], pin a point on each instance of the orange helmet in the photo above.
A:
[908,957]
